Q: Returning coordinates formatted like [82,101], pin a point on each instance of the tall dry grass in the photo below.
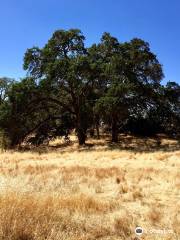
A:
[101,191]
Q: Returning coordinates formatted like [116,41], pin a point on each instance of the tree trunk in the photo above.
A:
[81,129]
[91,132]
[81,134]
[114,130]
[97,131]
[81,126]
[96,121]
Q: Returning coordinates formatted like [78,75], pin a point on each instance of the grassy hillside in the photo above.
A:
[100,191]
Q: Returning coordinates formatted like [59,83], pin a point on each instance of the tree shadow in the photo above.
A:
[146,144]
[126,142]
[136,144]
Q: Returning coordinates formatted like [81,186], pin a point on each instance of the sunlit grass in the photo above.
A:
[99,191]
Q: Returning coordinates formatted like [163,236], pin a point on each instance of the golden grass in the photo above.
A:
[101,191]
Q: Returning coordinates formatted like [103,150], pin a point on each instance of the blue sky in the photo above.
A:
[24,24]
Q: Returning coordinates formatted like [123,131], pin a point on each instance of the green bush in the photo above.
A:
[4,141]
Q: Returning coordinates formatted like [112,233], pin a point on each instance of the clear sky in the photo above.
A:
[28,23]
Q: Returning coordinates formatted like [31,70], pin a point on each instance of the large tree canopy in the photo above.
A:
[62,67]
[71,86]
[131,74]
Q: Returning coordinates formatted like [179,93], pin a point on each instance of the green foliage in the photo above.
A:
[69,86]
[63,70]
[4,140]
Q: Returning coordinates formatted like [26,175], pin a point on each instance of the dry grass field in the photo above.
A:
[100,191]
